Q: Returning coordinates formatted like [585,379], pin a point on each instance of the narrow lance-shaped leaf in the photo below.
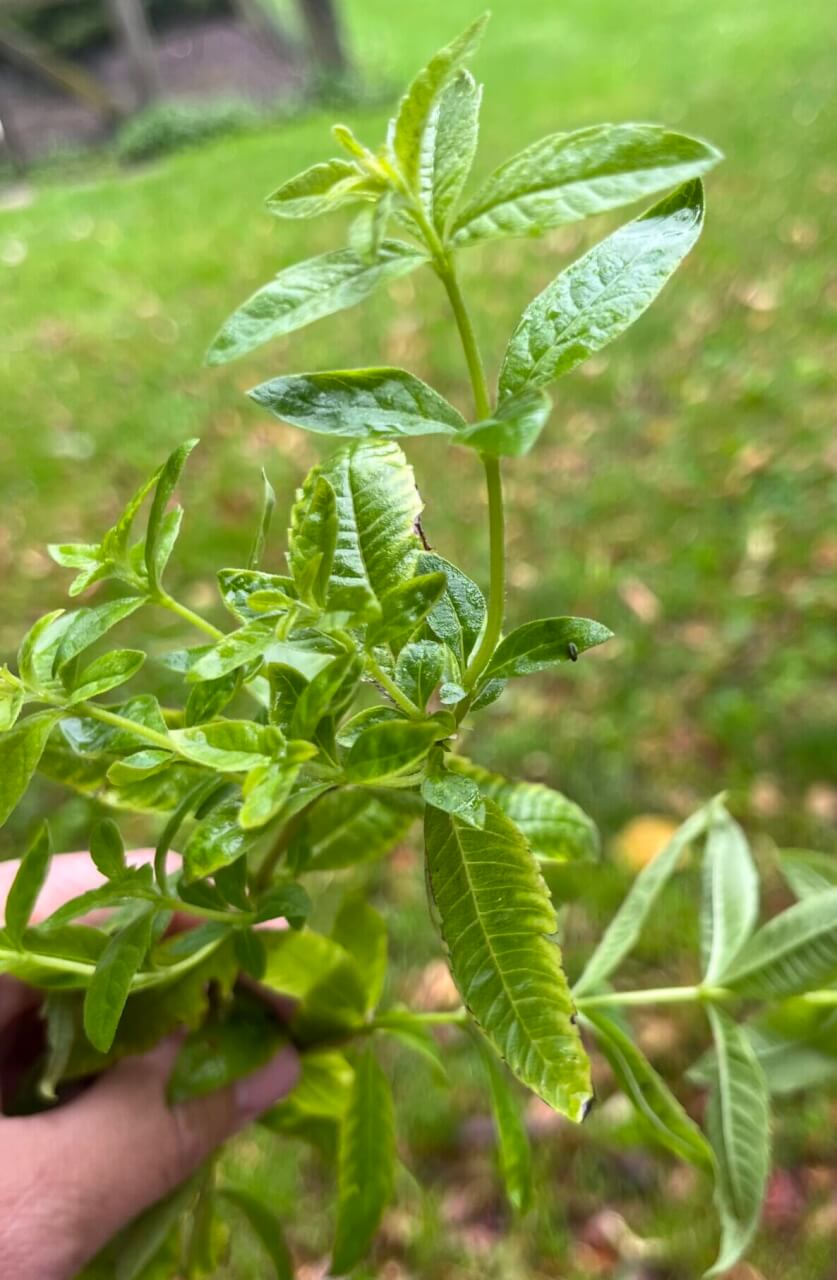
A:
[459,617]
[794,952]
[89,625]
[20,753]
[625,927]
[387,749]
[568,176]
[263,527]
[601,294]
[312,538]
[106,672]
[738,1121]
[377,509]
[538,645]
[307,292]
[362,931]
[448,147]
[320,189]
[11,699]
[107,849]
[363,403]
[555,828]
[27,884]
[513,430]
[512,1139]
[366,1164]
[111,981]
[496,920]
[650,1094]
[808,873]
[415,109]
[266,1227]
[404,607]
[157,544]
[730,895]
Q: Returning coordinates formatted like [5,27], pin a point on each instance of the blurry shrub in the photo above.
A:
[170,126]
[86,23]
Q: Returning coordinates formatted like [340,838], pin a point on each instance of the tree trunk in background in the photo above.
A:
[320,17]
[132,30]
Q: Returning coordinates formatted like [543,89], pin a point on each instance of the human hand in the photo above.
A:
[72,1177]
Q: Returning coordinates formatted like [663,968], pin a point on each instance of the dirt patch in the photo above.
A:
[211,58]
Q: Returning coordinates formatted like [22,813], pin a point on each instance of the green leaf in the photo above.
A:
[20,753]
[107,849]
[143,1241]
[232,1043]
[794,952]
[53,959]
[457,620]
[322,977]
[328,694]
[359,403]
[496,920]
[109,986]
[625,927]
[58,1013]
[312,538]
[361,931]
[419,669]
[307,292]
[536,646]
[11,699]
[89,625]
[515,1154]
[245,645]
[349,826]
[135,882]
[513,430]
[738,1123]
[38,649]
[415,1035]
[265,519]
[106,672]
[284,901]
[27,884]
[266,1228]
[808,873]
[159,538]
[404,608]
[448,147]
[569,176]
[730,896]
[229,746]
[320,189]
[216,841]
[555,828]
[387,749]
[650,1094]
[453,793]
[238,586]
[377,507]
[601,294]
[416,107]
[268,787]
[366,1165]
[209,698]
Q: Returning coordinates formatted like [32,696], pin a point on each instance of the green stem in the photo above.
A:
[205,913]
[399,698]
[96,712]
[493,479]
[655,995]
[188,615]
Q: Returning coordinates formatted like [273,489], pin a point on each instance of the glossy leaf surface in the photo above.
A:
[536,646]
[602,294]
[309,291]
[364,403]
[111,981]
[496,920]
[568,176]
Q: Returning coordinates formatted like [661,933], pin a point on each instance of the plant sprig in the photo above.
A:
[312,733]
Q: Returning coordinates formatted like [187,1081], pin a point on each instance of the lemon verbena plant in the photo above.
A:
[331,715]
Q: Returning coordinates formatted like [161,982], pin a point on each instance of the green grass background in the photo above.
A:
[682,493]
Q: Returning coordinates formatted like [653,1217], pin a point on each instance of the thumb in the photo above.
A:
[111,1153]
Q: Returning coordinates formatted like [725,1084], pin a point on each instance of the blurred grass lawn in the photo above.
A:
[681,493]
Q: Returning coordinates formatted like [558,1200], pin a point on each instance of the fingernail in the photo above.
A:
[255,1093]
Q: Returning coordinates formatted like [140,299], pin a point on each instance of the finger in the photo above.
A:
[94,1164]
